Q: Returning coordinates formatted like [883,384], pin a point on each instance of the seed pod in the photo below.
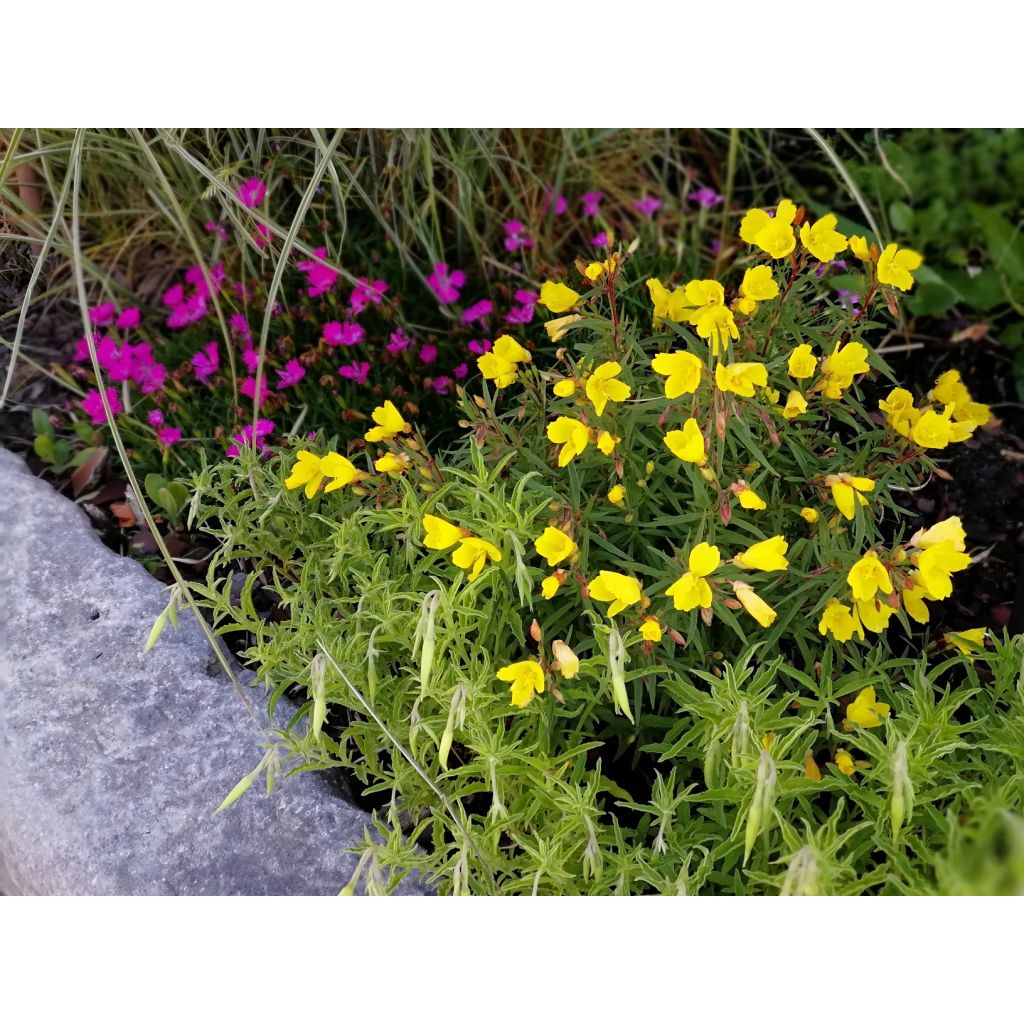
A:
[617,667]
[901,808]
[762,804]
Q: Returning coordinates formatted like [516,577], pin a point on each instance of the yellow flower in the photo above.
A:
[741,378]
[757,285]
[621,591]
[565,388]
[501,364]
[554,545]
[914,596]
[936,564]
[874,614]
[606,442]
[809,515]
[565,659]
[950,529]
[773,235]
[844,762]
[796,404]
[558,297]
[811,769]
[687,444]
[472,554]
[749,498]
[682,370]
[765,556]
[571,435]
[895,266]
[839,620]
[392,464]
[950,390]
[650,630]
[867,576]
[440,534]
[842,366]
[558,328]
[307,470]
[691,589]
[526,677]
[716,325]
[389,423]
[340,470]
[932,430]
[754,605]
[899,410]
[660,296]
[822,240]
[596,269]
[967,641]
[802,363]
[549,585]
[860,248]
[617,494]
[865,711]
[604,387]
[846,490]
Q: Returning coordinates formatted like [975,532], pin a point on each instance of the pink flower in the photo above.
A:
[601,240]
[240,326]
[220,230]
[108,354]
[130,318]
[251,192]
[399,342]
[93,405]
[292,373]
[81,350]
[706,197]
[102,315]
[262,236]
[592,203]
[347,333]
[150,377]
[648,206]
[194,276]
[444,284]
[516,236]
[155,418]
[248,388]
[428,354]
[251,358]
[174,296]
[189,312]
[461,371]
[523,313]
[206,362]
[320,278]
[441,385]
[558,201]
[478,311]
[168,435]
[256,437]
[478,348]
[357,372]
[365,293]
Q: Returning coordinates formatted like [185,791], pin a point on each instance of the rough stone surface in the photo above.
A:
[112,762]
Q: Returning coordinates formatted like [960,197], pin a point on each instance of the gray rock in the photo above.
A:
[112,762]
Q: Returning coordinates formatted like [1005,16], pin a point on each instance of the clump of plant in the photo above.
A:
[630,635]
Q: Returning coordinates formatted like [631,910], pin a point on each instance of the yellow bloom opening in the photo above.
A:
[603,386]
[389,423]
[687,444]
[555,546]
[613,587]
[526,677]
[558,297]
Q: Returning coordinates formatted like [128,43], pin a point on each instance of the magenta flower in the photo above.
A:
[347,333]
[478,348]
[366,293]
[81,350]
[248,388]
[155,418]
[129,318]
[516,237]
[251,192]
[150,377]
[102,315]
[399,342]
[206,362]
[428,354]
[461,371]
[240,326]
[445,284]
[706,197]
[251,358]
[168,435]
[188,312]
[262,236]
[357,372]
[108,353]
[174,296]
[478,311]
[601,240]
[320,278]
[555,200]
[441,385]
[592,203]
[249,436]
[524,312]
[220,230]
[92,404]
[194,276]
[648,206]
[292,373]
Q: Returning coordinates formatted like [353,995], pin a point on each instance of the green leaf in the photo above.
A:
[42,424]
